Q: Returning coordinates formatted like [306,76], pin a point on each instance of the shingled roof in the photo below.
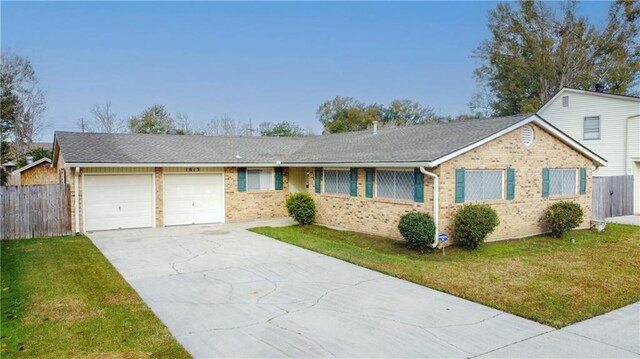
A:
[412,144]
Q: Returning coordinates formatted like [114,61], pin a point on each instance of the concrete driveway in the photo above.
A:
[226,292]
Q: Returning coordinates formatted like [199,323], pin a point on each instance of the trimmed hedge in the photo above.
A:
[301,208]
[473,223]
[418,229]
[563,216]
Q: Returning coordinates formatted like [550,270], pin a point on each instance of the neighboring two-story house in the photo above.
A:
[607,124]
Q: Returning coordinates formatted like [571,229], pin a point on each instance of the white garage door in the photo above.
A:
[118,201]
[193,198]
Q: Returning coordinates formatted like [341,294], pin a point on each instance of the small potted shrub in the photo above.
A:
[563,216]
[301,208]
[418,229]
[473,223]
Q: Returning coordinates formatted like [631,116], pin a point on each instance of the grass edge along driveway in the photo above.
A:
[545,279]
[62,298]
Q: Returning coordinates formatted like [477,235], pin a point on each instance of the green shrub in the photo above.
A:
[301,207]
[418,229]
[563,216]
[472,223]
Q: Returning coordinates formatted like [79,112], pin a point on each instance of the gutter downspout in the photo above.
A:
[76,199]
[436,209]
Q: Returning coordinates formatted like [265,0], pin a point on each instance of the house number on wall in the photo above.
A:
[193,169]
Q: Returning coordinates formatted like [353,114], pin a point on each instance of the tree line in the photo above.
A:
[533,52]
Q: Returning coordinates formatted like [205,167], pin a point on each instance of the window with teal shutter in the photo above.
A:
[459,185]
[583,180]
[354,182]
[369,182]
[318,180]
[545,182]
[418,188]
[242,179]
[279,181]
[511,183]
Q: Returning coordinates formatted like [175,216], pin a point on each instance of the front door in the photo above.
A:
[297,179]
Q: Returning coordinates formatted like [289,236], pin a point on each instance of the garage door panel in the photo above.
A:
[192,198]
[118,201]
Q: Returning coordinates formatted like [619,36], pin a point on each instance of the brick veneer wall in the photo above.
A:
[253,204]
[521,216]
[518,218]
[369,215]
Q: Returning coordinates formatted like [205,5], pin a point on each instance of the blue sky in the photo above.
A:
[254,61]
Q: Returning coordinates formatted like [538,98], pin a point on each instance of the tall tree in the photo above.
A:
[154,119]
[281,129]
[344,114]
[105,120]
[21,102]
[406,112]
[534,52]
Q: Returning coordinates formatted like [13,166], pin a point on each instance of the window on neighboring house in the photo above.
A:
[565,101]
[337,181]
[395,184]
[259,179]
[563,182]
[483,185]
[591,129]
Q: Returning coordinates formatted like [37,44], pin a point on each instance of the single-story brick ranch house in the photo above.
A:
[362,181]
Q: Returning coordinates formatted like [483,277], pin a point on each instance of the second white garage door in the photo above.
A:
[193,198]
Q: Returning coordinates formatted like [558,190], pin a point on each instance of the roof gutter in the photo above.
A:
[436,208]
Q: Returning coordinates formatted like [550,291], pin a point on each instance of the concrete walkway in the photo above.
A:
[630,219]
[226,292]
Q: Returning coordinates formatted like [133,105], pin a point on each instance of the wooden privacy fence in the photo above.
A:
[612,196]
[35,211]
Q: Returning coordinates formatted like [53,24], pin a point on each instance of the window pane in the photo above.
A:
[259,180]
[591,128]
[337,181]
[395,184]
[483,185]
[562,182]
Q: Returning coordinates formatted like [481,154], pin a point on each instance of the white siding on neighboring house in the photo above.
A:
[619,125]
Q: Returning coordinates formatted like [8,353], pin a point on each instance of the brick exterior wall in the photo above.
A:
[518,218]
[378,216]
[523,215]
[40,174]
[159,179]
[248,205]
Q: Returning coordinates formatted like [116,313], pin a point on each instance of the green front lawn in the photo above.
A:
[61,298]
[545,279]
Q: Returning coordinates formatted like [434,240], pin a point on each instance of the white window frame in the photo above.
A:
[584,127]
[324,179]
[273,180]
[375,181]
[577,182]
[502,187]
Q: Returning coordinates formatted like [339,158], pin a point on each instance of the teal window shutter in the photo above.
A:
[279,181]
[318,180]
[369,182]
[545,182]
[511,183]
[418,188]
[242,179]
[354,182]
[459,185]
[583,180]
